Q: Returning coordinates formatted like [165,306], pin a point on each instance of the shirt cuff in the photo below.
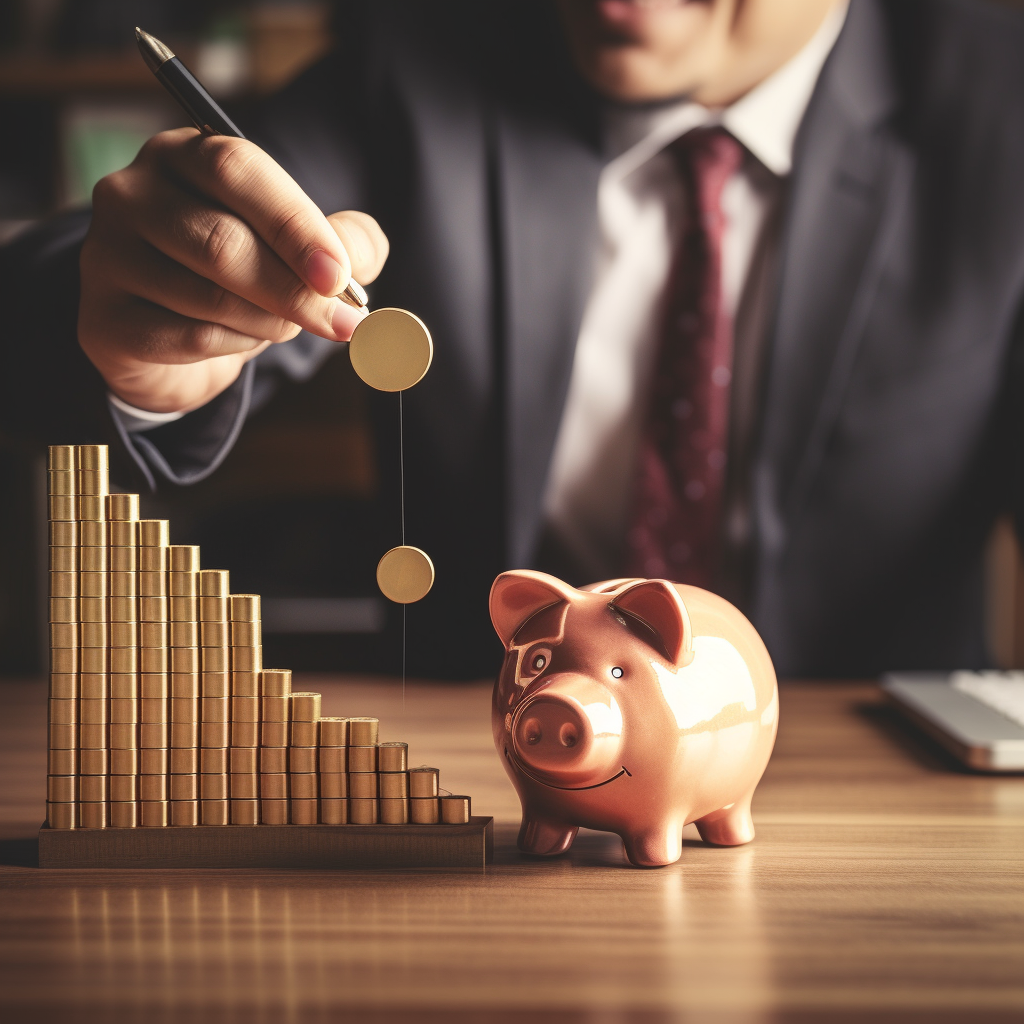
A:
[137,420]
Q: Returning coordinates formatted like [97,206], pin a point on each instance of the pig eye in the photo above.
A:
[535,662]
[616,672]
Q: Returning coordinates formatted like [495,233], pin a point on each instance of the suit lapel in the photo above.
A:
[546,173]
[850,175]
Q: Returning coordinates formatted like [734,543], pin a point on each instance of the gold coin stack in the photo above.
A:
[122,656]
[275,716]
[94,734]
[63,763]
[363,792]
[424,789]
[153,636]
[393,765]
[303,788]
[215,704]
[332,761]
[246,662]
[185,686]
[455,810]
[160,712]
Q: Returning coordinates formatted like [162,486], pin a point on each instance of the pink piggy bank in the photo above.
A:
[632,706]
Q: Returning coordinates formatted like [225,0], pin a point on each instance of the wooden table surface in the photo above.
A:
[884,884]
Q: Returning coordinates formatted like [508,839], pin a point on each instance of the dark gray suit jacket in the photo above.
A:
[890,431]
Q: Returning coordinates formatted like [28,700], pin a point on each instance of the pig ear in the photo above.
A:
[657,604]
[517,596]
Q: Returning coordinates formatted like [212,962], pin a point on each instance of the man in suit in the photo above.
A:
[727,291]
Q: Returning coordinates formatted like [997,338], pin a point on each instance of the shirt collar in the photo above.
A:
[765,120]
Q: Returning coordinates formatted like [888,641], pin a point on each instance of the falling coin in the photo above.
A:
[391,349]
[405,574]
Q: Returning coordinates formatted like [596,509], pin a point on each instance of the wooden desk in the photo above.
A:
[884,885]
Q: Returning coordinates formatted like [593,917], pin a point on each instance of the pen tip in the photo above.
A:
[154,52]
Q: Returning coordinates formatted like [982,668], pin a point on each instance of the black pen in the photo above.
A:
[204,112]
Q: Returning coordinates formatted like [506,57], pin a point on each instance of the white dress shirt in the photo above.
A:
[640,208]
[137,420]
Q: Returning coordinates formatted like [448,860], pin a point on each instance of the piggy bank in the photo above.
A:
[631,706]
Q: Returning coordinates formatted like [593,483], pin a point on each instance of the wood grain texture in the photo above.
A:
[266,846]
[885,884]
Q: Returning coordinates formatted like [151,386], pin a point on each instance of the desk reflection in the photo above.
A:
[274,949]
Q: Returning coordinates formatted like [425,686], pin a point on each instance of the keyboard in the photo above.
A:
[977,716]
[1000,691]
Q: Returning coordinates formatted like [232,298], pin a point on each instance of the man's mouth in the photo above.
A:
[628,18]
[645,5]
[572,789]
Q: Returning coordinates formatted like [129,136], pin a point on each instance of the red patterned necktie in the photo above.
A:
[676,521]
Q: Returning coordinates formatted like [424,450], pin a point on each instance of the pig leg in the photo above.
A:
[730,825]
[545,838]
[656,847]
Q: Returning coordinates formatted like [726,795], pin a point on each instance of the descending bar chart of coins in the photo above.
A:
[391,350]
[162,717]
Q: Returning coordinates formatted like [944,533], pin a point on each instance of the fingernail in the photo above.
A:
[344,319]
[324,273]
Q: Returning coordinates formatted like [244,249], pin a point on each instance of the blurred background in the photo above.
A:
[77,102]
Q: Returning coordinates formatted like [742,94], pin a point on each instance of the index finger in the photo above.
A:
[240,176]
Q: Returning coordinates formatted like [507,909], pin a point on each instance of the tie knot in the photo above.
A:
[714,145]
[708,157]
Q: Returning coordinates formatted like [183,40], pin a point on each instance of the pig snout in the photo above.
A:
[569,732]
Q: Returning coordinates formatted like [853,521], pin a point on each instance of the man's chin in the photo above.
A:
[637,51]
[626,74]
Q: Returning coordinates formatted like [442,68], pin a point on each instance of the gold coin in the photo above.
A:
[391,349]
[405,574]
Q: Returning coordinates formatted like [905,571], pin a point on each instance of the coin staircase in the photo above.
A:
[169,742]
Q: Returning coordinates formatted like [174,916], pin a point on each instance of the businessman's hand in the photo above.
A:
[201,254]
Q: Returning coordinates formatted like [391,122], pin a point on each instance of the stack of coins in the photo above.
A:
[393,763]
[333,765]
[154,667]
[183,613]
[275,714]
[423,793]
[63,764]
[215,710]
[94,634]
[160,712]
[246,662]
[363,798]
[122,561]
[302,758]
[455,809]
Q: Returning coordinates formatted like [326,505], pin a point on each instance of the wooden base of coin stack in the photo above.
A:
[169,743]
